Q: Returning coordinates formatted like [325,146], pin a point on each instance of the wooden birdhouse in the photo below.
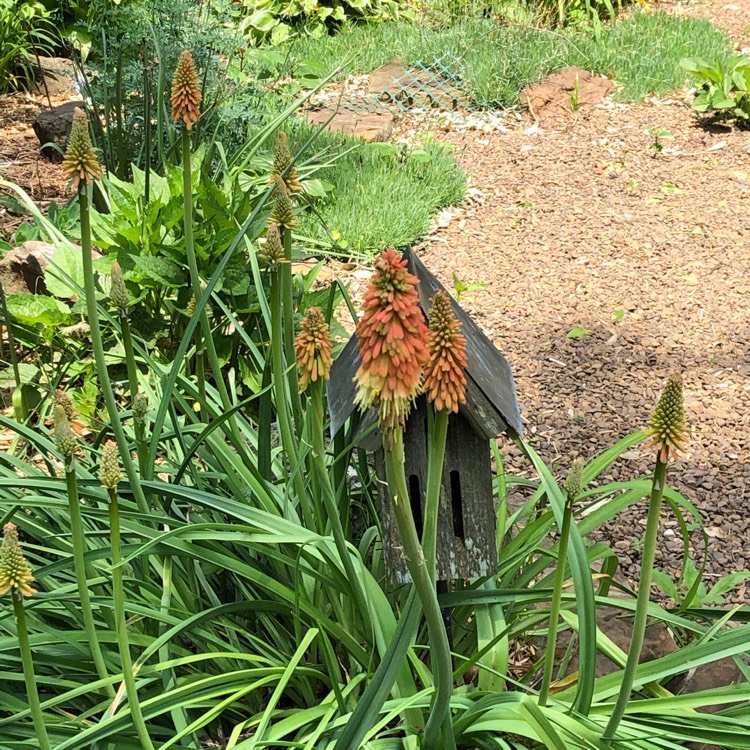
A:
[466,543]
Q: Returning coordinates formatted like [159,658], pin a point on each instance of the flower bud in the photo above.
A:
[272,251]
[140,408]
[281,161]
[574,483]
[109,466]
[80,163]
[666,428]
[15,571]
[118,292]
[283,210]
[66,441]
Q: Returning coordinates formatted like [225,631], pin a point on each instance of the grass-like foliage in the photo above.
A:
[642,52]
[207,558]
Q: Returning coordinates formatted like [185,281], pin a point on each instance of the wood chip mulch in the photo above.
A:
[580,231]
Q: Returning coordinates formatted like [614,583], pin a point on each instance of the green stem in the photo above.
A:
[415,561]
[438,434]
[329,498]
[118,594]
[278,374]
[101,365]
[127,343]
[642,602]
[287,295]
[554,612]
[208,341]
[32,692]
[79,563]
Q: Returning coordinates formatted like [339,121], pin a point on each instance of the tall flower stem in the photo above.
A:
[329,497]
[79,563]
[140,433]
[437,436]
[642,602]
[440,716]
[208,342]
[92,314]
[32,692]
[554,612]
[121,623]
[280,382]
[287,295]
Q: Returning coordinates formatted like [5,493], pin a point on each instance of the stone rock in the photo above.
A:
[370,126]
[565,93]
[59,77]
[22,269]
[53,126]
[618,628]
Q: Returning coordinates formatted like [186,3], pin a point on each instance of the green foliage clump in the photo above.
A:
[26,30]
[724,87]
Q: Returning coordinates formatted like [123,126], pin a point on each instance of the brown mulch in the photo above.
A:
[20,160]
[580,227]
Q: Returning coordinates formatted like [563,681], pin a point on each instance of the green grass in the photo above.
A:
[382,196]
[641,53]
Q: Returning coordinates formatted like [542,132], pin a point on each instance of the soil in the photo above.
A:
[606,268]
[20,160]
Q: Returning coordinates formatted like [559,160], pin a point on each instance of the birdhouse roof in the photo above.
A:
[491,402]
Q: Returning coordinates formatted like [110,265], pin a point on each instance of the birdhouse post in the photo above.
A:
[466,538]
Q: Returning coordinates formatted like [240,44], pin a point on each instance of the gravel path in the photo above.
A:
[649,258]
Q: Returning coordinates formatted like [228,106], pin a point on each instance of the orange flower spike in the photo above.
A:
[392,343]
[445,381]
[666,428]
[186,92]
[313,348]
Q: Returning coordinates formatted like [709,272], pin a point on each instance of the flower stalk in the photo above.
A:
[573,486]
[16,577]
[109,474]
[313,348]
[82,166]
[393,346]
[66,443]
[666,429]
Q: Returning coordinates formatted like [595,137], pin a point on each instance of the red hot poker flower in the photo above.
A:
[392,343]
[186,92]
[313,348]
[444,380]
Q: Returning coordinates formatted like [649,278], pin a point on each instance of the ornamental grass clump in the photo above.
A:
[15,578]
[394,344]
[666,430]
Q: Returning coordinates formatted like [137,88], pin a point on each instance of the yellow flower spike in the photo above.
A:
[109,466]
[282,159]
[80,163]
[272,251]
[283,210]
[186,92]
[15,571]
[313,348]
[666,428]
